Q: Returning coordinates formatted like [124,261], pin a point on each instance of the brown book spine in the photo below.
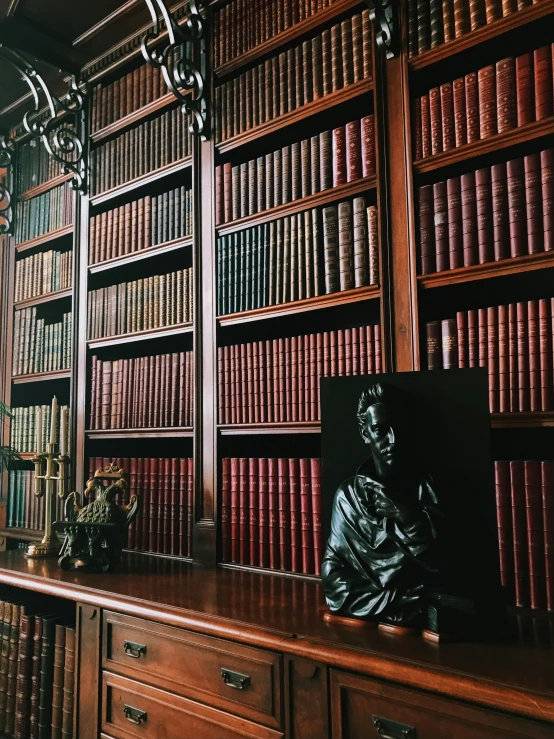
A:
[506,103]
[500,219]
[543,82]
[486,82]
[427,230]
[339,156]
[525,89]
[263,517]
[547,490]
[317,513]
[440,208]
[503,360]
[492,358]
[69,684]
[472,107]
[519,532]
[523,357]
[504,519]
[455,233]
[535,533]
[447,113]
[425,127]
[534,355]
[533,202]
[516,207]
[434,345]
[436,121]
[24,665]
[460,120]
[449,343]
[547,177]
[484,214]
[254,508]
[57,681]
[353,151]
[469,219]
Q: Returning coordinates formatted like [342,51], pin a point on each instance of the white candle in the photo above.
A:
[39,430]
[53,420]
[63,431]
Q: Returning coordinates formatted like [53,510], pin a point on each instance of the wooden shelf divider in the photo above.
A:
[151,333]
[146,433]
[21,534]
[134,117]
[539,419]
[135,256]
[41,299]
[44,238]
[264,429]
[42,377]
[33,192]
[268,571]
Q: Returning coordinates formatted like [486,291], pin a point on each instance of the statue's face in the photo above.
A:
[382,431]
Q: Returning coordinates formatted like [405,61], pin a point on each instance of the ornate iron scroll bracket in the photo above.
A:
[183,71]
[381,14]
[61,142]
[7,151]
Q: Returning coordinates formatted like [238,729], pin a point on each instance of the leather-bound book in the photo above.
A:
[296,171]
[425,127]
[368,146]
[535,533]
[57,681]
[423,26]
[337,80]
[449,343]
[315,168]
[533,202]
[339,156]
[23,685]
[412,31]
[503,361]
[361,275]
[317,513]
[353,151]
[436,120]
[35,676]
[427,229]
[436,23]
[504,519]
[346,246]
[483,190]
[472,107]
[492,357]
[545,355]
[357,48]
[440,209]
[325,160]
[373,244]
[331,248]
[367,44]
[486,81]
[513,357]
[273,500]
[461,17]
[283,483]
[469,219]
[448,20]
[547,176]
[327,61]
[305,169]
[434,345]
[11,681]
[493,10]
[547,490]
[534,355]
[347,52]
[525,89]
[500,218]
[418,144]
[447,113]
[235,193]
[455,236]
[519,530]
[476,14]
[155,500]
[508,6]
[306,522]
[461,327]
[254,509]
[522,328]
[234,510]
[174,509]
[263,515]
[542,59]
[69,684]
[46,672]
[482,337]
[516,207]
[295,519]
[506,103]
[317,67]
[165,531]
[472,339]
[244,515]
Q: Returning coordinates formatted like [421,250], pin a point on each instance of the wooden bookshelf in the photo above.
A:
[163,332]
[34,192]
[135,256]
[264,429]
[488,270]
[44,239]
[539,419]
[42,377]
[42,299]
[155,106]
[21,534]
[156,433]
[266,571]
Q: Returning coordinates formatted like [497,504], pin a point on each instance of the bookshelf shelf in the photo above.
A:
[300,306]
[483,34]
[44,239]
[135,256]
[134,117]
[530,131]
[33,192]
[154,333]
[161,433]
[264,429]
[311,201]
[142,181]
[316,106]
[21,534]
[282,38]
[41,299]
[514,265]
[42,377]
[268,571]
[539,419]
[27,456]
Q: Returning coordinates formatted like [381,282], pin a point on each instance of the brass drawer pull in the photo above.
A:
[235,679]
[134,715]
[392,729]
[133,650]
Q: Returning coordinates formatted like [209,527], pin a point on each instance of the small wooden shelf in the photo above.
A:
[539,419]
[161,433]
[282,38]
[488,270]
[134,117]
[135,256]
[300,306]
[42,377]
[305,111]
[485,33]
[264,429]
[44,238]
[530,131]
[151,333]
[27,456]
[46,298]
[269,571]
[33,192]
[346,190]
[142,181]
[22,534]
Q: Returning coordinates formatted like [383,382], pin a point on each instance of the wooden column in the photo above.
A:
[86,721]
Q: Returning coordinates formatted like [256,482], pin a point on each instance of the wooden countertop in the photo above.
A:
[284,615]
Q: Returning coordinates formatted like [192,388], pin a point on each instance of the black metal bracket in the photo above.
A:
[7,151]
[381,14]
[61,142]
[184,74]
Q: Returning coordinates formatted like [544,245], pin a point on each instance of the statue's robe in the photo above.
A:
[375,567]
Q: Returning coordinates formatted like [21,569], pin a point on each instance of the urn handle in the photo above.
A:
[392,729]
[235,679]
[134,715]
[134,650]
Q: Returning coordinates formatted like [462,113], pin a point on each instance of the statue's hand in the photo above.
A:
[392,507]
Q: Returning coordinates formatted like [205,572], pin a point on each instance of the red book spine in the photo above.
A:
[523,358]
[492,357]
[244,518]
[254,505]
[166,541]
[353,151]
[469,219]
[226,509]
[547,489]
[534,355]
[436,120]
[516,207]
[504,516]
[140,487]
[447,112]
[273,500]
[425,127]
[461,327]
[545,354]
[535,533]
[547,177]
[484,215]
[533,202]
[455,226]
[486,81]
[426,230]
[263,535]
[154,505]
[284,514]
[441,226]
[542,59]
[295,520]
[235,539]
[506,106]
[190,493]
[174,509]
[472,107]
[368,145]
[317,513]
[145,534]
[519,530]
[460,122]
[503,361]
[339,156]
[500,220]
[306,517]
[525,89]
[472,339]
[513,357]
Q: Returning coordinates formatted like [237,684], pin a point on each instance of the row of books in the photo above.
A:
[153,302]
[165,490]
[39,346]
[495,99]
[277,381]
[35,165]
[506,210]
[334,59]
[23,428]
[271,513]
[329,159]
[514,342]
[37,670]
[143,392]
[241,25]
[317,252]
[43,273]
[46,213]
[433,22]
[525,510]
[24,509]
[145,222]
[153,144]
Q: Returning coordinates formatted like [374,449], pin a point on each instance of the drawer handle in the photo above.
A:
[235,679]
[133,650]
[392,729]
[134,715]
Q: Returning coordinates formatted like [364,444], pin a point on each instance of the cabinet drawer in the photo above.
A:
[242,680]
[131,710]
[358,704]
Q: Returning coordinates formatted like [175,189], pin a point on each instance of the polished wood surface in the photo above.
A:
[147,334]
[150,251]
[41,299]
[44,239]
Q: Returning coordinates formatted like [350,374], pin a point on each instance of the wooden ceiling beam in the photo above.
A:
[31,39]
